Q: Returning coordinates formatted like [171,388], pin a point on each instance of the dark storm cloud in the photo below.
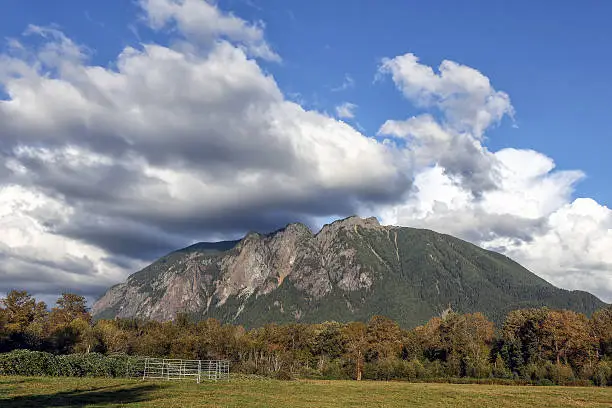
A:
[149,235]
[41,276]
[123,238]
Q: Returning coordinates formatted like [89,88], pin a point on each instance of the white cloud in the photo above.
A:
[346,110]
[36,259]
[511,200]
[526,209]
[463,94]
[202,22]
[529,191]
[348,83]
[573,250]
[530,218]
[460,154]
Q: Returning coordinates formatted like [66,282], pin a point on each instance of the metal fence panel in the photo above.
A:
[179,369]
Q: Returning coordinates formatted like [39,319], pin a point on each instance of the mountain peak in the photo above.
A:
[296,227]
[351,270]
[352,222]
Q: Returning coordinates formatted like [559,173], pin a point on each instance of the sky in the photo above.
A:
[129,129]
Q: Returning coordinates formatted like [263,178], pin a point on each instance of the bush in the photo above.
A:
[410,370]
[499,369]
[549,373]
[534,372]
[25,362]
[602,374]
[334,370]
[245,367]
[434,369]
[284,374]
[405,370]
[544,382]
[478,369]
[38,363]
[560,374]
[92,365]
[379,370]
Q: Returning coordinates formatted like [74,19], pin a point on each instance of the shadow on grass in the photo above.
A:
[80,398]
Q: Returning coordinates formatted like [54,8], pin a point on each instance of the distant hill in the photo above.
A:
[351,270]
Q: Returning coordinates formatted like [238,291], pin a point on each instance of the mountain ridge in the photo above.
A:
[351,269]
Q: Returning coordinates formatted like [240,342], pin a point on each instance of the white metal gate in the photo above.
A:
[178,369]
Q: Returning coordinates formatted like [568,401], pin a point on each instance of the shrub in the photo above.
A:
[334,370]
[25,362]
[499,369]
[433,369]
[602,374]
[559,373]
[309,372]
[37,363]
[384,369]
[245,367]
[478,369]
[405,370]
[410,370]
[284,374]
[534,372]
[545,382]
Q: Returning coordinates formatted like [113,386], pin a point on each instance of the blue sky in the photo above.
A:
[553,60]
[132,128]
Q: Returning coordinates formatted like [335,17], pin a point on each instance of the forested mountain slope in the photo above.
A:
[351,270]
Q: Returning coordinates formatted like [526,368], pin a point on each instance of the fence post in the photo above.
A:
[144,374]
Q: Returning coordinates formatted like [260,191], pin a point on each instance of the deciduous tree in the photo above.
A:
[356,345]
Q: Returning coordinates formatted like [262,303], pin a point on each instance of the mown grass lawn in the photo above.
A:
[34,392]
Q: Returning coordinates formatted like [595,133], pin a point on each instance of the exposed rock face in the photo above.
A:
[353,268]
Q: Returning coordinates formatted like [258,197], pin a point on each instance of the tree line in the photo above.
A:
[537,345]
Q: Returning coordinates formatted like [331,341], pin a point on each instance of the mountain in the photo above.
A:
[352,269]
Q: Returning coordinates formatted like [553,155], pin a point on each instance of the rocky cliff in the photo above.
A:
[350,270]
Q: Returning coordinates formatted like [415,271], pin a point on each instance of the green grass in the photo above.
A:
[34,392]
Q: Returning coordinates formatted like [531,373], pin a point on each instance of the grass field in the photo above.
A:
[34,392]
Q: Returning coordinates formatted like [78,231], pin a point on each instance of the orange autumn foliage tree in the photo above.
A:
[566,337]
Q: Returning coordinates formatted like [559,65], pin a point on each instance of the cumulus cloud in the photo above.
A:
[512,200]
[43,262]
[529,216]
[203,23]
[461,155]
[468,105]
[529,191]
[463,94]
[346,110]
[573,248]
